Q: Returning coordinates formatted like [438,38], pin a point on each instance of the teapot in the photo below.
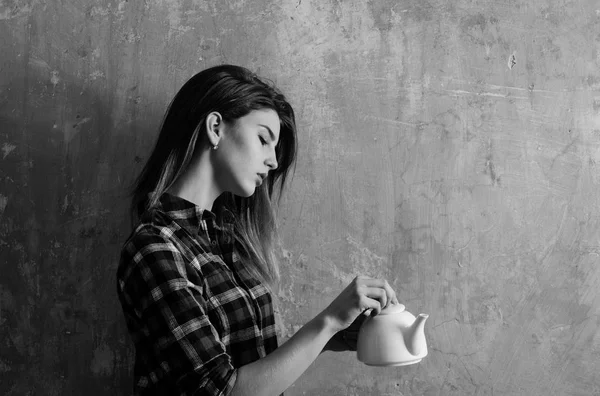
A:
[394,337]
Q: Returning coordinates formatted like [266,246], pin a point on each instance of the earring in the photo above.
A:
[216,146]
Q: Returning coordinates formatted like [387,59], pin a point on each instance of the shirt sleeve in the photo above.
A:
[170,313]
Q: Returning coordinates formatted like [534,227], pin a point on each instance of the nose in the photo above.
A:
[271,161]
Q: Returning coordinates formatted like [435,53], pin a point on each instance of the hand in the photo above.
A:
[362,295]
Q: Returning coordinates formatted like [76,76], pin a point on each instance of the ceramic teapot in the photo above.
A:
[394,337]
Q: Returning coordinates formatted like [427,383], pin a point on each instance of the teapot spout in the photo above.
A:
[415,337]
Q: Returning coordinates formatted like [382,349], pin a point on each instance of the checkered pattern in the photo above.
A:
[194,312]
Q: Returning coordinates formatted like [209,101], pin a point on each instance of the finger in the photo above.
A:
[390,294]
[392,298]
[361,279]
[378,294]
[370,304]
[371,282]
[382,283]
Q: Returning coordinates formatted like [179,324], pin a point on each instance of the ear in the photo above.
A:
[213,125]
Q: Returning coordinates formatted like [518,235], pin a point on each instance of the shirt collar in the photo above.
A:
[189,215]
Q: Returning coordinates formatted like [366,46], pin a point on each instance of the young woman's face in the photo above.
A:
[246,152]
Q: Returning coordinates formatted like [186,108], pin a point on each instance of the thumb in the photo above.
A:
[373,307]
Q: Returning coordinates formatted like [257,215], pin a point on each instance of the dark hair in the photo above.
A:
[233,91]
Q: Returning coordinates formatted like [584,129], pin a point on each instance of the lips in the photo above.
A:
[262,177]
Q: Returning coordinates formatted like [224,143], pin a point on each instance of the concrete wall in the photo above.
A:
[452,147]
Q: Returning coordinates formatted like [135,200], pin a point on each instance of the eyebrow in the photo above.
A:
[270,131]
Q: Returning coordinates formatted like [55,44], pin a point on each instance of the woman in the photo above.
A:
[194,275]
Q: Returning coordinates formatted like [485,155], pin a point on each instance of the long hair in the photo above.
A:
[233,91]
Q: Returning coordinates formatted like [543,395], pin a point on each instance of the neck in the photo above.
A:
[197,184]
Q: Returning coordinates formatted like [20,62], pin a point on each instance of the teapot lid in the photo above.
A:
[392,309]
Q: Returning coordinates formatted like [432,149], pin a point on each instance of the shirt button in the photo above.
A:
[214,243]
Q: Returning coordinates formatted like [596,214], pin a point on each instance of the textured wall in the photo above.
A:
[451,147]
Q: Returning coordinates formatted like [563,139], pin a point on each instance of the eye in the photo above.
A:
[262,140]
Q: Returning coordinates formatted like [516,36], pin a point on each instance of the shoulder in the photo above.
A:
[150,252]
[155,233]
[148,238]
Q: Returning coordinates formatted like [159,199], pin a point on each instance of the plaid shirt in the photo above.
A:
[194,312]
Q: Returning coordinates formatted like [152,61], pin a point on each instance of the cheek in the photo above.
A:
[251,152]
[241,156]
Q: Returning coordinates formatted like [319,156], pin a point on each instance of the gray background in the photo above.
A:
[451,147]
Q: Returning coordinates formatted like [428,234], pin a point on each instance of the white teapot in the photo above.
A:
[394,337]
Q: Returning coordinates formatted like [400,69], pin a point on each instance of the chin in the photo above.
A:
[246,192]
